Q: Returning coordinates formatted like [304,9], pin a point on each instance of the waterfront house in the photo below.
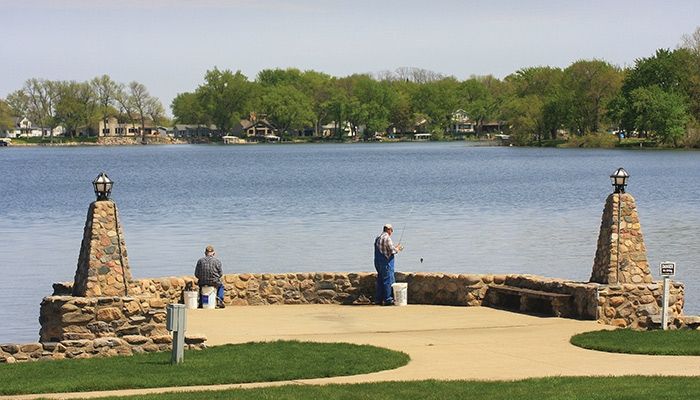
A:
[461,124]
[330,129]
[113,127]
[256,129]
[420,125]
[23,127]
[199,130]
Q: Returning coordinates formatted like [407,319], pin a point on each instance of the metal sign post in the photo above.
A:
[667,269]
[175,321]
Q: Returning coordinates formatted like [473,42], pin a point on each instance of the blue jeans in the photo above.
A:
[385,278]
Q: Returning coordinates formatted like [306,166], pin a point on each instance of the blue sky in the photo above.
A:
[168,45]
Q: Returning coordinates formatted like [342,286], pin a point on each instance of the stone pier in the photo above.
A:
[621,256]
[103,265]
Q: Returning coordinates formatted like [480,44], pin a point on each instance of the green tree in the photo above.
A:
[277,77]
[525,116]
[39,102]
[138,105]
[589,86]
[187,108]
[368,103]
[542,87]
[691,42]
[320,89]
[401,115]
[287,107]
[18,101]
[105,91]
[438,100]
[659,112]
[669,70]
[481,98]
[76,106]
[225,97]
[674,72]
[339,107]
[6,115]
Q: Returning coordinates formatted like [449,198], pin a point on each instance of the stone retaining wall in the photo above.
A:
[136,140]
[83,327]
[79,318]
[638,306]
[86,348]
[588,300]
[101,326]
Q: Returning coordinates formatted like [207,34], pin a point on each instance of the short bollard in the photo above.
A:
[667,269]
[175,322]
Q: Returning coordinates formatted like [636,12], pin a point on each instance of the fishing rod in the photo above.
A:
[406,223]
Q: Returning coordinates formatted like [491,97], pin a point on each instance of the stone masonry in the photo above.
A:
[79,327]
[638,306]
[103,265]
[621,256]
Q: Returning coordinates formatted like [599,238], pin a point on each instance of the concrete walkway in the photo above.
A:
[443,342]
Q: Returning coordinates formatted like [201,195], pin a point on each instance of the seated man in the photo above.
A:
[208,273]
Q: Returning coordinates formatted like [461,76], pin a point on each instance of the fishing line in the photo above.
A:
[406,223]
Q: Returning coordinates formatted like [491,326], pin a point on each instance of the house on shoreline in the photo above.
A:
[256,129]
[112,127]
[24,128]
[195,130]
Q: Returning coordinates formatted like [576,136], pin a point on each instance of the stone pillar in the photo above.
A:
[628,248]
[103,267]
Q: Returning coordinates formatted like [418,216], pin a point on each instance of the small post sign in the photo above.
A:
[667,269]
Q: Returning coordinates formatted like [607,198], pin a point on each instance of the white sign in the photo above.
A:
[668,268]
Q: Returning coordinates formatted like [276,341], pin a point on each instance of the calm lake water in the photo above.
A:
[293,208]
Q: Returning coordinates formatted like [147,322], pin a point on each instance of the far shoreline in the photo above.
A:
[130,142]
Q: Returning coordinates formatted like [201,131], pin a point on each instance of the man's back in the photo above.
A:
[208,271]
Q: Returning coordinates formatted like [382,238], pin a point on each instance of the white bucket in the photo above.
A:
[208,297]
[400,293]
[191,298]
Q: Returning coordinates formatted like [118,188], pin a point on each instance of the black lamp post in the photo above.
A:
[103,186]
[619,180]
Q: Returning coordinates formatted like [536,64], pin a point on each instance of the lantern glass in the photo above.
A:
[103,186]
[619,180]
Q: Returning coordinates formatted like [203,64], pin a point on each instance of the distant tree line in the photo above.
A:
[79,106]
[658,98]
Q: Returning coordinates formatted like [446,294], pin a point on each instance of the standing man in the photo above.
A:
[208,273]
[384,251]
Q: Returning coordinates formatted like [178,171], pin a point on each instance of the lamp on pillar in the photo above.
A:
[103,265]
[619,180]
[103,186]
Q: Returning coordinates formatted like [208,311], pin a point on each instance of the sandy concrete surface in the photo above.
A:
[443,342]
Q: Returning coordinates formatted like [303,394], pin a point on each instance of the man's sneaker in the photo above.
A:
[220,304]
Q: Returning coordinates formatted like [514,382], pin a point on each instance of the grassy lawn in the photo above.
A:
[250,362]
[632,388]
[675,342]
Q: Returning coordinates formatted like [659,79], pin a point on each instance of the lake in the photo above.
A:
[300,208]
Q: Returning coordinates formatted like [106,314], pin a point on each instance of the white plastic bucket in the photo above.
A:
[191,298]
[208,297]
[400,293]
